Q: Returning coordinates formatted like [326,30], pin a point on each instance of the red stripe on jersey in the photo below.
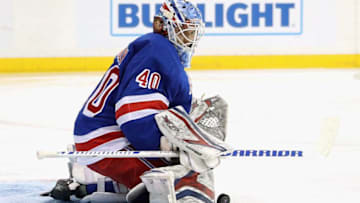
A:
[191,181]
[127,108]
[86,146]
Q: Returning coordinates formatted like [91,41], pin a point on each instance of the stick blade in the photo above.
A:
[329,132]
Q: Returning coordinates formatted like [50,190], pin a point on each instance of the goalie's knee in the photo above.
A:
[195,187]
[178,184]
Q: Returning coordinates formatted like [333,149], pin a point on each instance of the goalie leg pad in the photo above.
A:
[159,183]
[195,187]
[94,181]
[178,184]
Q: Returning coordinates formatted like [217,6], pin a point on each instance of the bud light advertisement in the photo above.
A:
[221,17]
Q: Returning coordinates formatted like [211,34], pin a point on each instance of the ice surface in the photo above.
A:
[279,109]
[27,191]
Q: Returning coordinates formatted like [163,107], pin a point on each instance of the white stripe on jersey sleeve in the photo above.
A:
[135,115]
[141,98]
[96,133]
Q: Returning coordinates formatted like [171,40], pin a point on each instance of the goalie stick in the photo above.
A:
[106,154]
[164,154]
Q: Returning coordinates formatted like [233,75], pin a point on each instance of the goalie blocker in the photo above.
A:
[199,150]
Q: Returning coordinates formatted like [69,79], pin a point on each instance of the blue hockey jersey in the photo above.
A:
[145,78]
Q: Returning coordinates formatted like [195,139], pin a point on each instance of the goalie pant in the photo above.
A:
[126,171]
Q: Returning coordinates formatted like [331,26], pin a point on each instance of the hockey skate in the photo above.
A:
[65,188]
[101,191]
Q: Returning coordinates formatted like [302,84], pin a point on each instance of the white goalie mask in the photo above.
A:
[184,27]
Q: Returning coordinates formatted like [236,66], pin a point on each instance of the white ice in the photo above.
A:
[277,109]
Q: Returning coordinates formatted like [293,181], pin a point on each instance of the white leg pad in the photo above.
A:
[85,175]
[160,185]
[177,184]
